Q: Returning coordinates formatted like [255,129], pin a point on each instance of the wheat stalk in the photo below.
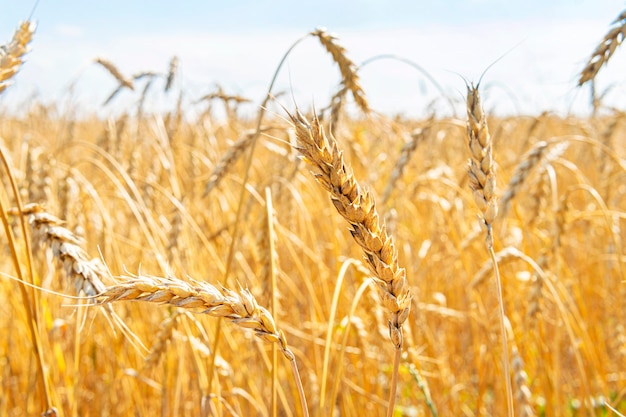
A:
[12,53]
[604,50]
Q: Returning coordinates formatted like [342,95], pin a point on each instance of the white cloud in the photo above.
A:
[538,72]
[71,31]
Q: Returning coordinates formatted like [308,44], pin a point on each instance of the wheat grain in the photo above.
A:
[357,207]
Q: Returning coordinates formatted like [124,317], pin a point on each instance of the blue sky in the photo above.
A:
[238,44]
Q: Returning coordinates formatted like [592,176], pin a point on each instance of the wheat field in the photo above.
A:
[310,261]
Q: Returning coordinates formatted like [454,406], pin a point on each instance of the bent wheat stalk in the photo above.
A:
[357,207]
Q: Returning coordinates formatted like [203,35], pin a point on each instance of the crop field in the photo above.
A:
[310,260]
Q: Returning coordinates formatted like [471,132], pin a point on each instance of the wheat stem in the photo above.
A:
[28,296]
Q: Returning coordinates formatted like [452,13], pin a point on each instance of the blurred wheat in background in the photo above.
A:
[128,240]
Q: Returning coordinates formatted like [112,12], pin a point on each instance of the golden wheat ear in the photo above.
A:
[348,69]
[357,207]
[48,231]
[112,69]
[482,175]
[605,50]
[240,307]
[12,53]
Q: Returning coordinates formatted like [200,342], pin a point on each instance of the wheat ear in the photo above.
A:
[481,170]
[536,156]
[12,53]
[240,307]
[405,156]
[605,49]
[159,346]
[523,395]
[228,160]
[109,66]
[348,69]
[358,208]
[85,274]
[171,73]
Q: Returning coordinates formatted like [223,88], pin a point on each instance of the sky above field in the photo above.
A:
[238,45]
